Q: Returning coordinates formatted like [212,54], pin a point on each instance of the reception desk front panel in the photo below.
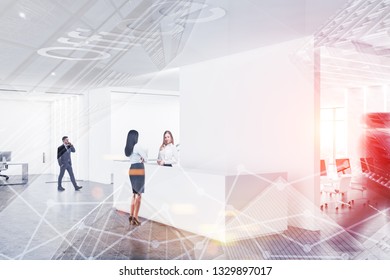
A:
[220,207]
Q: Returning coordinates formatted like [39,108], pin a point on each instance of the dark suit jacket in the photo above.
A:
[63,155]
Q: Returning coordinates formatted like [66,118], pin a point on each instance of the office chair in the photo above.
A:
[343,188]
[338,188]
[3,166]
[326,183]
[344,184]
[347,185]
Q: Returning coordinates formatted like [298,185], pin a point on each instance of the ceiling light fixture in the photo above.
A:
[13,90]
[22,15]
[144,93]
[53,73]
[63,93]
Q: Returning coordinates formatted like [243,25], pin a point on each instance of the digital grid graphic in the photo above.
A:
[101,232]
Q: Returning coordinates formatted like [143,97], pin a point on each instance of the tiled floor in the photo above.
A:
[38,222]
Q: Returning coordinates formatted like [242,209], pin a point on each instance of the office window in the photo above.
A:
[65,121]
[333,133]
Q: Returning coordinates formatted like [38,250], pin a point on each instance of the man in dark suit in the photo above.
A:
[65,162]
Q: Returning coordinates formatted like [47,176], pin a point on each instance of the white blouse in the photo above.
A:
[169,154]
[138,154]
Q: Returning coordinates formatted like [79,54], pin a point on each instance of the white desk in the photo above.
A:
[218,206]
[24,169]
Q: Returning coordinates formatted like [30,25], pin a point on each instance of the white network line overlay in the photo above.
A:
[200,246]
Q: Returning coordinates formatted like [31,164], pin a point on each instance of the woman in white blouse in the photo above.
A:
[168,154]
[137,156]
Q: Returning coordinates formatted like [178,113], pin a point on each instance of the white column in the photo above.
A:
[99,144]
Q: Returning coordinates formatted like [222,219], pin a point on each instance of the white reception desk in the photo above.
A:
[221,207]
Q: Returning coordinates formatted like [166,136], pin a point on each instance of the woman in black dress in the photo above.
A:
[137,156]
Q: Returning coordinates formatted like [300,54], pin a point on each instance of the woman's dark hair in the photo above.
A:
[132,139]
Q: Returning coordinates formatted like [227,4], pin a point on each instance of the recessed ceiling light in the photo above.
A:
[53,73]
[22,15]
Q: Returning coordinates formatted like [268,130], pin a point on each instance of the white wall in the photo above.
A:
[333,97]
[25,130]
[150,115]
[254,109]
[98,111]
[375,99]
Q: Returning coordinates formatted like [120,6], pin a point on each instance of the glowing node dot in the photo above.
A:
[307,213]
[230,207]
[155,244]
[280,186]
[199,246]
[307,248]
[240,167]
[200,191]
[165,207]
[345,256]
[266,255]
[50,203]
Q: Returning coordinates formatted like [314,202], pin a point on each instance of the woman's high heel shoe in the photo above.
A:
[135,222]
[131,219]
